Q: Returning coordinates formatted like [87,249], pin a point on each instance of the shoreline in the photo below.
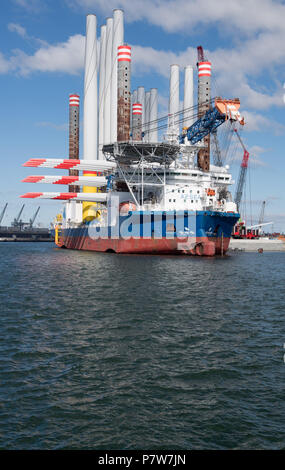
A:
[265,244]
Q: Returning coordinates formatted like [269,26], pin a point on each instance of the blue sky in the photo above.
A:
[41,62]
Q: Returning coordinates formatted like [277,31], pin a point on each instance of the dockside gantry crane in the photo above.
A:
[32,220]
[3,213]
[17,222]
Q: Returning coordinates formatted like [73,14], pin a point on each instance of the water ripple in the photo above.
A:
[100,351]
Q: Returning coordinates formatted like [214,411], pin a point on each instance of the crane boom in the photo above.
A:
[34,217]
[17,222]
[3,212]
[240,139]
[261,216]
[20,213]
[204,126]
[259,225]
[218,161]
[222,111]
[243,171]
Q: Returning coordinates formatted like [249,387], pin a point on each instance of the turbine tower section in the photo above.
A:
[173,117]
[188,118]
[90,110]
[153,115]
[74,101]
[90,141]
[147,116]
[141,100]
[108,81]
[118,40]
[124,93]
[204,103]
[137,122]
[134,99]
[101,103]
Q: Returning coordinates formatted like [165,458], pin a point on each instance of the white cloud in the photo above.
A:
[17,28]
[255,122]
[68,57]
[21,31]
[229,70]
[238,70]
[256,152]
[32,6]
[232,81]
[65,57]
[163,104]
[5,65]
[148,59]
[256,26]
[249,16]
[235,154]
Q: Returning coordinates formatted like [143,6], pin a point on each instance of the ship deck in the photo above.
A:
[133,152]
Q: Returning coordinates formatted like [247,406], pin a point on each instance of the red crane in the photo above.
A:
[200,54]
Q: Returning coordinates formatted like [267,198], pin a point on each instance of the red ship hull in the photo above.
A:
[200,246]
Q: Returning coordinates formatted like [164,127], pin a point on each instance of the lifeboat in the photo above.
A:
[127,206]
